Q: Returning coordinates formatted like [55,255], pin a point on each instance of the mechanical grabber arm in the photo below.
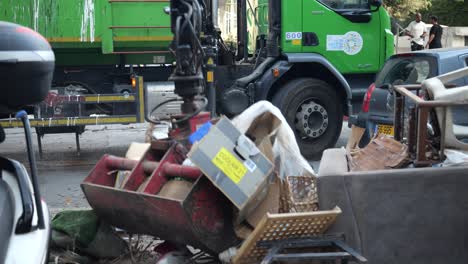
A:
[192,45]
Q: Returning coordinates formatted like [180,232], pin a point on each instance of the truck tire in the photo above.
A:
[315,113]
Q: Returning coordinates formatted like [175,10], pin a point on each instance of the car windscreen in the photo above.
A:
[407,70]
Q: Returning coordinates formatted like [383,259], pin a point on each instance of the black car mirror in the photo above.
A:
[377,3]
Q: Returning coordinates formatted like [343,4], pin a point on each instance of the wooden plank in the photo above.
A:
[402,90]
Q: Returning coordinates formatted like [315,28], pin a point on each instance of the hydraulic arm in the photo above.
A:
[188,21]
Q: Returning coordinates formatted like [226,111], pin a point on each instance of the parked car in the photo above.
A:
[376,114]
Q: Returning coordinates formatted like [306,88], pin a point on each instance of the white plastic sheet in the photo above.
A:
[286,151]
[455,158]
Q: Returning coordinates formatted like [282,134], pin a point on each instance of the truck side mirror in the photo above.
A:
[376,3]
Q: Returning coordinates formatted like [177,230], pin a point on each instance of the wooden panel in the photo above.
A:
[284,226]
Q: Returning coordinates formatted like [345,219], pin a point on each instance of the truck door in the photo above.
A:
[346,32]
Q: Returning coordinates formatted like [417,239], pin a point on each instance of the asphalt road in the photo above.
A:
[61,169]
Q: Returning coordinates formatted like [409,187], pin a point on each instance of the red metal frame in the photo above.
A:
[202,219]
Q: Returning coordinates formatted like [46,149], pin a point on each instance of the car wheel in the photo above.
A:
[315,113]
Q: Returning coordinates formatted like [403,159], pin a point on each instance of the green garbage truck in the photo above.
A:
[328,53]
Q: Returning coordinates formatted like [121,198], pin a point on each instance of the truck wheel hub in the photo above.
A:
[312,120]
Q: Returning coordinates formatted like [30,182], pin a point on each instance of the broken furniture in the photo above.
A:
[438,92]
[415,215]
[228,191]
[442,99]
[281,237]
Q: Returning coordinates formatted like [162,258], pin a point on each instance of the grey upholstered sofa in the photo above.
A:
[405,216]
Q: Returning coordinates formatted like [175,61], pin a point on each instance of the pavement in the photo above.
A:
[61,169]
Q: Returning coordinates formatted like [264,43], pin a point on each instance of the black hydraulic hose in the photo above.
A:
[201,108]
[272,47]
[266,64]
[32,163]
[274,26]
[158,106]
[189,12]
[199,16]
[177,30]
[192,28]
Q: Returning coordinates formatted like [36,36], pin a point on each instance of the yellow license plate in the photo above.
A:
[385,129]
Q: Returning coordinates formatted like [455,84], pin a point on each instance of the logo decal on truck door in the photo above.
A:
[351,43]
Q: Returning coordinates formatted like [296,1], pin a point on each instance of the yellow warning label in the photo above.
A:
[296,42]
[209,76]
[230,165]
[210,61]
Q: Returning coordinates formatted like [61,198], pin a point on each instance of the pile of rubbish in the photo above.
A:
[228,186]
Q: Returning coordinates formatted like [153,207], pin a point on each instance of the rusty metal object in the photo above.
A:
[412,138]
[442,134]
[118,163]
[399,105]
[168,169]
[162,145]
[418,141]
[203,219]
[176,170]
[423,115]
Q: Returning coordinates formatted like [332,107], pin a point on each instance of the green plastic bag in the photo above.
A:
[82,225]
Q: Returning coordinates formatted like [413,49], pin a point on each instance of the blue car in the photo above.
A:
[376,114]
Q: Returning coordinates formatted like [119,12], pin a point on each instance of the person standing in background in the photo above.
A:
[435,35]
[417,31]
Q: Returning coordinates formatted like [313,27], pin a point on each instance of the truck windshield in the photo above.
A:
[346,4]
[406,70]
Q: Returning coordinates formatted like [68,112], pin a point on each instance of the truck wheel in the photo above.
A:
[315,113]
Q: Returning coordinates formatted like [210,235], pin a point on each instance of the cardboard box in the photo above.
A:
[176,189]
[234,164]
[269,205]
[260,131]
[137,150]
[134,152]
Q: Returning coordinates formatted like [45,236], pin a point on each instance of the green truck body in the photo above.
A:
[299,16]
[92,32]
[97,32]
[366,45]
[330,51]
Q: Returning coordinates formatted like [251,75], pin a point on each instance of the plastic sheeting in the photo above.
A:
[455,158]
[287,155]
